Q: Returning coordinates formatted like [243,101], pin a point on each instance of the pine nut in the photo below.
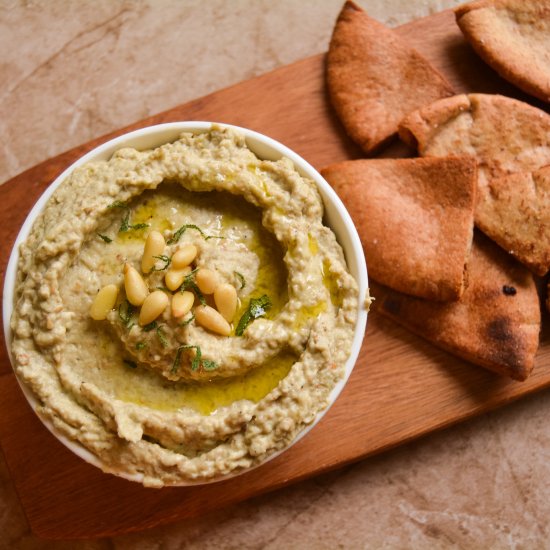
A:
[153,306]
[103,302]
[184,256]
[182,303]
[134,285]
[154,246]
[207,280]
[174,277]
[225,298]
[210,319]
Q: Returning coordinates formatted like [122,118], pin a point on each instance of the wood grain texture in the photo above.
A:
[402,387]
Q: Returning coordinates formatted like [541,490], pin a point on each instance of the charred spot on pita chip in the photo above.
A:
[484,327]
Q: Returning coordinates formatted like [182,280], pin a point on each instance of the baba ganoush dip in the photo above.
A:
[182,312]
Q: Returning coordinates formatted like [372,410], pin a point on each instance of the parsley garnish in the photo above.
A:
[126,225]
[197,362]
[187,321]
[139,226]
[177,234]
[150,326]
[104,238]
[189,277]
[117,204]
[189,283]
[241,278]
[130,364]
[167,261]
[141,345]
[162,337]
[207,364]
[256,308]
[125,312]
[177,359]
[153,325]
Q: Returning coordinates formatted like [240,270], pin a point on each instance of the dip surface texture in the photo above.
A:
[171,400]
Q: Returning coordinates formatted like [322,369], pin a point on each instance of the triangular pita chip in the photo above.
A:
[515,213]
[375,78]
[495,324]
[513,37]
[506,136]
[415,218]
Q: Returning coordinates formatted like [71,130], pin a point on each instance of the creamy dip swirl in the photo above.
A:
[128,393]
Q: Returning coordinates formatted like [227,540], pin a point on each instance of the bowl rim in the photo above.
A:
[150,137]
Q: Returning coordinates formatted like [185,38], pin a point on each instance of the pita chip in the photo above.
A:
[513,37]
[495,325]
[515,213]
[506,137]
[415,220]
[375,78]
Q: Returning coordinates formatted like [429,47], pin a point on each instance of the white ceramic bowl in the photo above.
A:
[336,216]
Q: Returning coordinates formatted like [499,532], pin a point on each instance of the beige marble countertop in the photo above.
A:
[72,70]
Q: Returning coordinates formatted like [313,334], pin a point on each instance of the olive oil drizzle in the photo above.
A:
[149,388]
[207,397]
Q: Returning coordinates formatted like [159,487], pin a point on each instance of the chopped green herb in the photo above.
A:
[187,321]
[125,225]
[162,337]
[130,364]
[193,286]
[139,226]
[163,288]
[207,364]
[256,308]
[177,360]
[197,362]
[213,237]
[117,204]
[193,226]
[190,276]
[104,238]
[151,326]
[190,284]
[177,234]
[167,261]
[125,312]
[241,278]
[141,345]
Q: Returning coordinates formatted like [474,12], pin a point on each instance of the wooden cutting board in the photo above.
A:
[402,387]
